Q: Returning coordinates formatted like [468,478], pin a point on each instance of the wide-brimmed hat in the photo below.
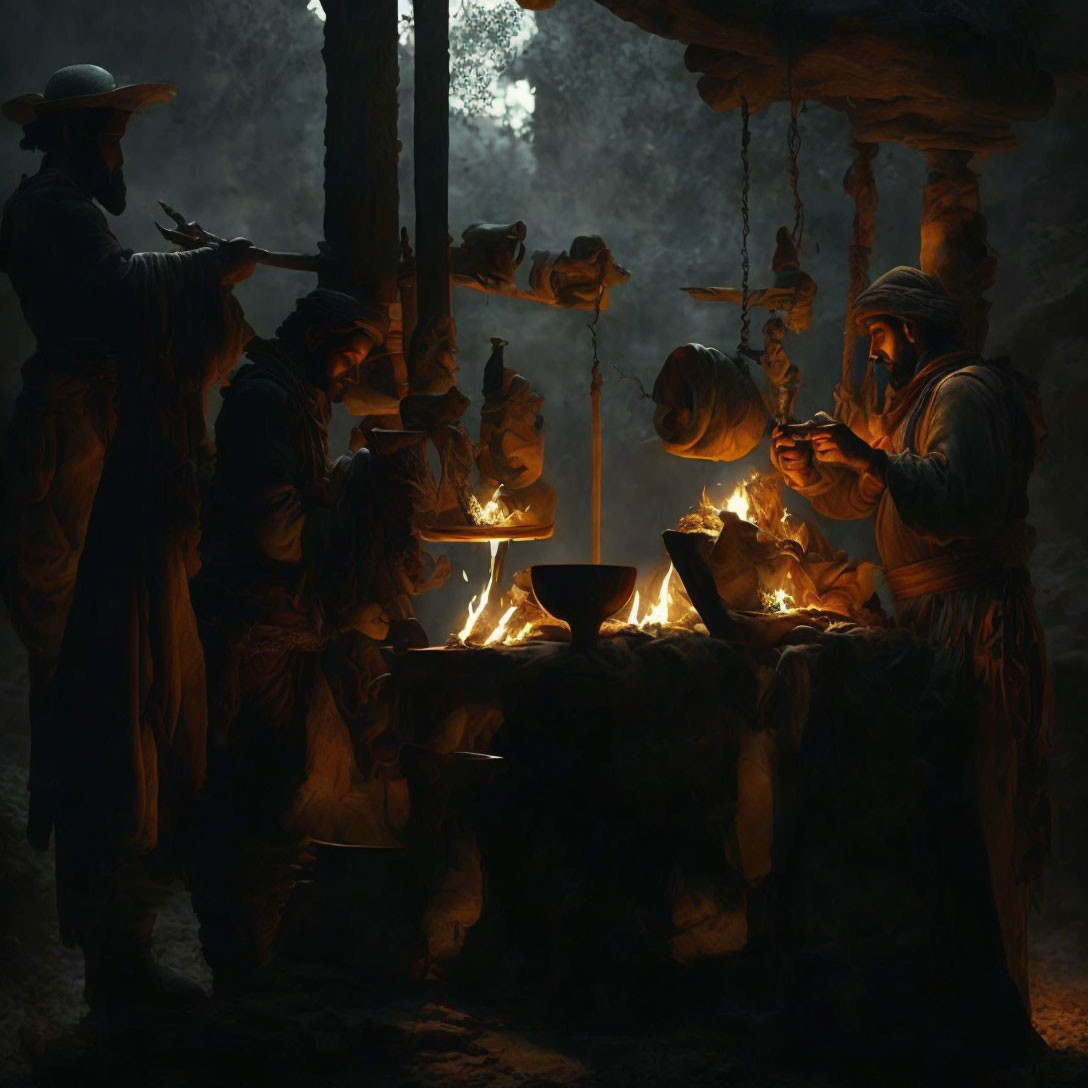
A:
[85,86]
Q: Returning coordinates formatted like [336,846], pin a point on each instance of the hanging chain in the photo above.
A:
[596,378]
[793,143]
[745,229]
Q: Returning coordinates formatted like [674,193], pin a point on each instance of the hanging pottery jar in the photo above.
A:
[707,405]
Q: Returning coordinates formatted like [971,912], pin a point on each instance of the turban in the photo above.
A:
[336,315]
[910,295]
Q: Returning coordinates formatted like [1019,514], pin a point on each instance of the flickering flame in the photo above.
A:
[738,503]
[491,513]
[658,612]
[778,601]
[646,610]
[500,628]
[476,610]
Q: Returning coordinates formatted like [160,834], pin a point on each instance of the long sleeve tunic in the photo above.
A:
[951,529]
[107,448]
[97,310]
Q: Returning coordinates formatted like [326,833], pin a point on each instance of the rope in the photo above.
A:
[745,263]
[793,144]
[860,185]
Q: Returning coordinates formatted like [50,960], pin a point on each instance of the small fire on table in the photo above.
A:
[764,561]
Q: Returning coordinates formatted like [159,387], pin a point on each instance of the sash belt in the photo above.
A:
[944,574]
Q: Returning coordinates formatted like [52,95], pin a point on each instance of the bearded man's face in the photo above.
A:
[890,346]
[100,161]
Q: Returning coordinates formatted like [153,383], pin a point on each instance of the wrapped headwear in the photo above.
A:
[910,295]
[337,315]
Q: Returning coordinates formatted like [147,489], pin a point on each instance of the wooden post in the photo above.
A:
[432,142]
[954,246]
[362,231]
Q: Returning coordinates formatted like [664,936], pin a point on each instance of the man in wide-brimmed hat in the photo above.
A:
[947,480]
[110,417]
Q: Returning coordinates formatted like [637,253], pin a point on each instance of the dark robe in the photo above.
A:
[284,590]
[142,337]
[96,310]
[951,527]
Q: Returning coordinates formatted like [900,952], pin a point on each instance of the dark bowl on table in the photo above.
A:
[582,595]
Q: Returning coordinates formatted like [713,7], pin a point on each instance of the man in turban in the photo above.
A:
[308,565]
[947,481]
[110,417]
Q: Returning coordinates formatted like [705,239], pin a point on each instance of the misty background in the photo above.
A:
[579,123]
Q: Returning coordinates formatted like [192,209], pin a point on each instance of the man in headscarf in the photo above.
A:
[308,566]
[110,417]
[947,480]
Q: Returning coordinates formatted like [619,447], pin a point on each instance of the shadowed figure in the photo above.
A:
[309,564]
[110,418]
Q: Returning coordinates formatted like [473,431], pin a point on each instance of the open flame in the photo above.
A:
[737,503]
[778,601]
[490,513]
[476,610]
[660,611]
[667,605]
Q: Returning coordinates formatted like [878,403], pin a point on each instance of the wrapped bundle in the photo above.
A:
[574,279]
[511,449]
[707,405]
[489,254]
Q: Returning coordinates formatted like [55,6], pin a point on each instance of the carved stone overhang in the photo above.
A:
[931,81]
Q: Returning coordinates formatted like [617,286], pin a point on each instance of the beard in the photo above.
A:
[104,183]
[901,368]
[112,193]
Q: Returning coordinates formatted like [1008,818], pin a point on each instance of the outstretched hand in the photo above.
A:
[186,234]
[239,255]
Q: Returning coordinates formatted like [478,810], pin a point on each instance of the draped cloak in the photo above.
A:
[961,440]
[284,590]
[112,415]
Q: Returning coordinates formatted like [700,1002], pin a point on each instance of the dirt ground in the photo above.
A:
[315,1026]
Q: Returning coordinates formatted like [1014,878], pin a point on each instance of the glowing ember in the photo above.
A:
[778,601]
[490,514]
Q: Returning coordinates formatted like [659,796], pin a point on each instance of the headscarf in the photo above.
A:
[910,295]
[338,315]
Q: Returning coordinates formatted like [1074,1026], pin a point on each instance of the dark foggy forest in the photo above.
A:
[617,143]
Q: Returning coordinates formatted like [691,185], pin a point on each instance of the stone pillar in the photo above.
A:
[954,246]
